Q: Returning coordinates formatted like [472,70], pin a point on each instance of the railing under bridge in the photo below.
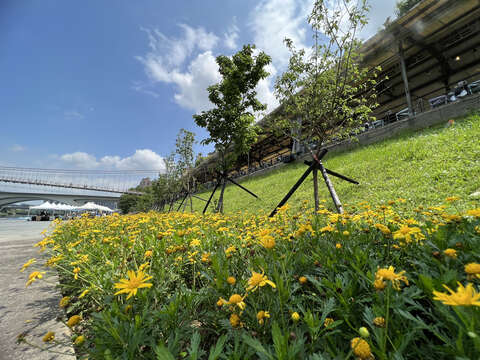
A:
[88,180]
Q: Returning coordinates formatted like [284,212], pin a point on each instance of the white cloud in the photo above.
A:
[72,115]
[265,92]
[17,148]
[231,36]
[274,20]
[201,73]
[271,21]
[80,160]
[144,159]
[165,62]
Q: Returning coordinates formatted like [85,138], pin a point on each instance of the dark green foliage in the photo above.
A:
[127,203]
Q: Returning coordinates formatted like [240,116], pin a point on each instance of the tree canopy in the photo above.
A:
[230,121]
[403,6]
[325,93]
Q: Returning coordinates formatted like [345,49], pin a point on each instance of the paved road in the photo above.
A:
[33,310]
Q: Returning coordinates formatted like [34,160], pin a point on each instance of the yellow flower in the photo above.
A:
[134,282]
[74,320]
[49,336]
[451,253]
[237,300]
[206,257]
[379,321]
[283,209]
[346,233]
[302,279]
[328,228]
[231,280]
[466,296]
[64,301]
[230,250]
[34,276]
[27,264]
[384,229]
[474,212]
[473,270]
[338,245]
[406,232]
[144,266]
[295,316]
[267,241]
[79,340]
[53,260]
[361,349]
[389,274]
[195,242]
[261,315]
[259,280]
[328,322]
[84,292]
[234,320]
[148,254]
[75,272]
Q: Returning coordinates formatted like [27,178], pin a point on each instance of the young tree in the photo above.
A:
[326,93]
[184,151]
[171,178]
[231,121]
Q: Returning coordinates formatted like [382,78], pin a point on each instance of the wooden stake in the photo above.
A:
[210,198]
[331,189]
[315,187]
[220,200]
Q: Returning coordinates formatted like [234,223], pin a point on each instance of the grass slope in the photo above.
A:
[423,167]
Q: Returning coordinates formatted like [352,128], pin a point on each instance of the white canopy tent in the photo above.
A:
[45,206]
[90,206]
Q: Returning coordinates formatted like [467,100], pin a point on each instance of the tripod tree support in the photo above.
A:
[314,166]
[211,196]
[331,189]
[185,198]
[298,183]
[223,180]
[198,197]
[241,187]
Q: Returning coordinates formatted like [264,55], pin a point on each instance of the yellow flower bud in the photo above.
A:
[363,331]
[295,316]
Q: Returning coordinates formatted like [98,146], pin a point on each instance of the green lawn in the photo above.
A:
[423,167]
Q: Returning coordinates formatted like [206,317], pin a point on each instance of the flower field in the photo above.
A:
[371,283]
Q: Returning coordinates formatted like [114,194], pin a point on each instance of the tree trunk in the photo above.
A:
[190,191]
[331,189]
[315,188]
[220,200]
[185,204]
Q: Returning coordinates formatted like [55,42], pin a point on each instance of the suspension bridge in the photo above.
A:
[70,186]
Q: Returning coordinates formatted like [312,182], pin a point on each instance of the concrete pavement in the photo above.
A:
[34,310]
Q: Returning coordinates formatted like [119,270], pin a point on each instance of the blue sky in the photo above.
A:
[108,84]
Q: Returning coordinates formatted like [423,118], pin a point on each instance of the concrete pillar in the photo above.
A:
[405,78]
